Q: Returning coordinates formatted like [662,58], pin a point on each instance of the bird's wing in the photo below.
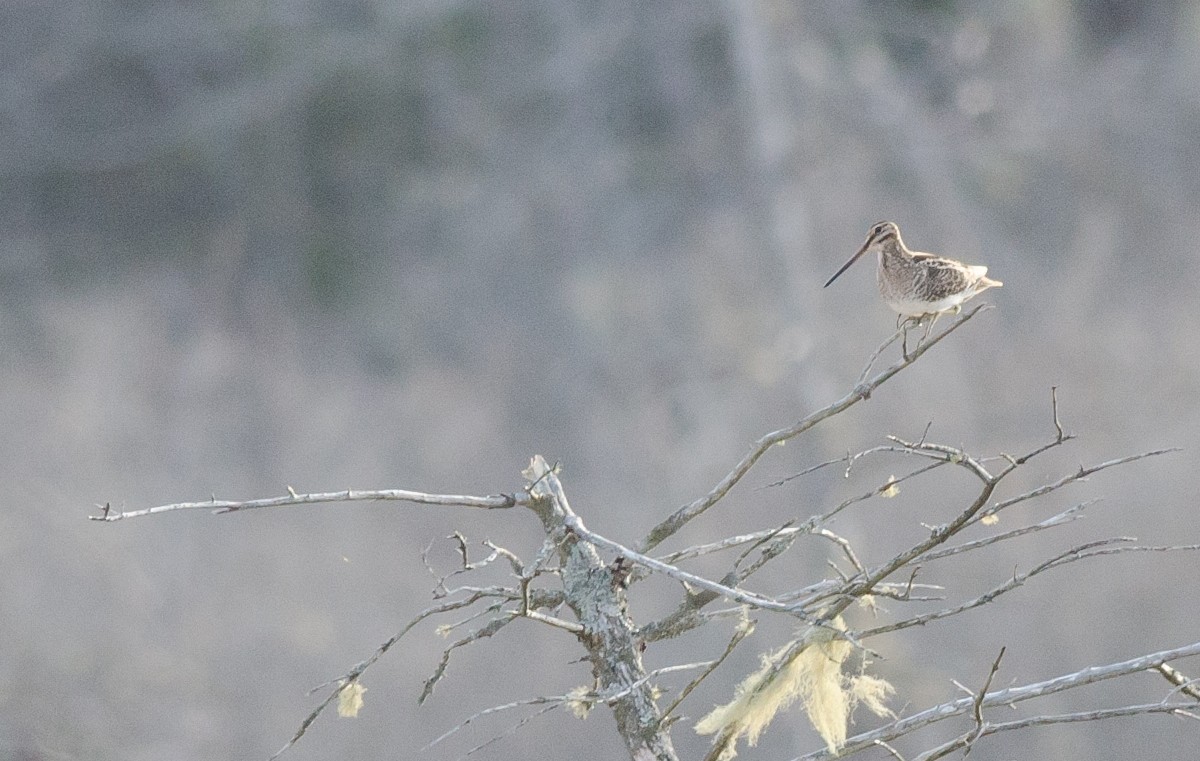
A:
[943,276]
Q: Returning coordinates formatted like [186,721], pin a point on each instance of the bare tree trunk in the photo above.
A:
[595,592]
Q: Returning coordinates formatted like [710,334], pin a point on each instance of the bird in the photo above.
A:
[917,285]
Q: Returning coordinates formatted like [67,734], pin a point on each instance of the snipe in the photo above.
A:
[916,284]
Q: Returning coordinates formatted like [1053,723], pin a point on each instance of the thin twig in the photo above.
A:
[293,499]
[1054,407]
[1066,516]
[865,583]
[1060,438]
[554,701]
[1082,552]
[946,453]
[1186,686]
[740,633]
[967,740]
[895,753]
[510,731]
[575,525]
[773,547]
[977,708]
[844,543]
[827,516]
[514,562]
[866,371]
[806,471]
[445,629]
[558,623]
[1007,696]
[1079,475]
[688,512]
[359,669]
[729,542]
[487,630]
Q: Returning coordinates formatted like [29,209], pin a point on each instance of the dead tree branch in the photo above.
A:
[1008,697]
[578,583]
[692,510]
[294,499]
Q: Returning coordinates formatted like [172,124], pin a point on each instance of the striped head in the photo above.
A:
[881,234]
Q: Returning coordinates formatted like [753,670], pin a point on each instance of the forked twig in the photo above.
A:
[354,673]
[744,628]
[977,708]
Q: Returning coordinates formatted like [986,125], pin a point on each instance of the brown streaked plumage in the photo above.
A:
[917,284]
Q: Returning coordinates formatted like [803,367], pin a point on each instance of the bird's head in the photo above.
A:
[881,233]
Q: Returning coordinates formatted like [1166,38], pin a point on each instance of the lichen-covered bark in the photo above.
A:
[597,598]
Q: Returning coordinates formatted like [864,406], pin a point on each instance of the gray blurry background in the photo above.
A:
[409,244]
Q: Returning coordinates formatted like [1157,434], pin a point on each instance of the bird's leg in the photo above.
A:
[929,328]
[904,323]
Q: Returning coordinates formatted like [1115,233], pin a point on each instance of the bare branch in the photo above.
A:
[461,541]
[1009,696]
[445,629]
[729,542]
[744,628]
[967,741]
[465,565]
[1054,408]
[977,707]
[945,453]
[866,371]
[865,583]
[596,594]
[576,526]
[1066,516]
[487,630]
[844,543]
[812,469]
[511,730]
[895,753]
[568,626]
[293,499]
[862,391]
[359,669]
[772,547]
[1089,550]
[596,590]
[553,701]
[849,459]
[1079,475]
[1186,686]
[827,516]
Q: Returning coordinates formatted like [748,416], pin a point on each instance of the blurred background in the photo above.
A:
[370,244]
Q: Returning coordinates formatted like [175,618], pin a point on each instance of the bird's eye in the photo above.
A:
[879,230]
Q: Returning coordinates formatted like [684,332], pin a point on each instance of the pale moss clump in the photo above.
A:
[814,675]
[580,702]
[350,699]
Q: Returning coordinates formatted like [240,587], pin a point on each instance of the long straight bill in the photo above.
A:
[846,266]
